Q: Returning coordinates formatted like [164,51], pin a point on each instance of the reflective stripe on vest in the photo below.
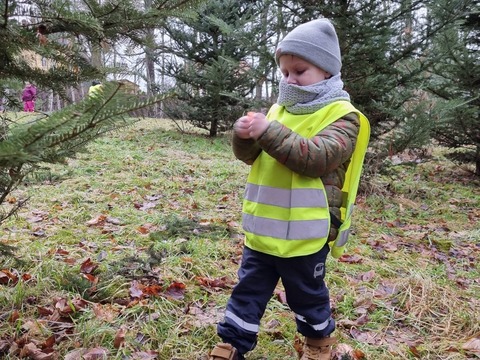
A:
[287,198]
[286,214]
[265,199]
[287,230]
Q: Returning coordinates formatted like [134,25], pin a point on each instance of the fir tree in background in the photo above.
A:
[214,74]
[455,83]
[390,50]
[385,54]
[56,45]
[72,36]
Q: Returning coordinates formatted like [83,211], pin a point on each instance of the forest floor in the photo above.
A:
[130,251]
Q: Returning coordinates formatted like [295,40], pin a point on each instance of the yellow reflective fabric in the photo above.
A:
[94,90]
[288,231]
[350,187]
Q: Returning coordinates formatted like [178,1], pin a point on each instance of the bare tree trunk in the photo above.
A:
[408,30]
[477,161]
[73,95]
[149,61]
[96,51]
[50,101]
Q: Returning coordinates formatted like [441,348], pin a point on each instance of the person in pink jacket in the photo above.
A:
[29,95]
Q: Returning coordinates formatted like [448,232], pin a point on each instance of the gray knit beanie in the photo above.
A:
[315,41]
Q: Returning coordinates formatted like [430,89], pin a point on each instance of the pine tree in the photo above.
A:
[455,81]
[387,56]
[212,67]
[384,48]
[57,33]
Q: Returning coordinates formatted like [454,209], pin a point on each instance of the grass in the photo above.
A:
[132,249]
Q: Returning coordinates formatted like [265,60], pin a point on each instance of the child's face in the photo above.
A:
[300,72]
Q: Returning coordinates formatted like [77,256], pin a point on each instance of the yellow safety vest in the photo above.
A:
[95,90]
[286,214]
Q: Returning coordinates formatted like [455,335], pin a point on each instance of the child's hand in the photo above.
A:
[242,127]
[258,124]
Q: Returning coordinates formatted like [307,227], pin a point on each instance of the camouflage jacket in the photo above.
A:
[326,155]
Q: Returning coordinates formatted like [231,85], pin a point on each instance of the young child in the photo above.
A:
[95,88]
[29,95]
[306,158]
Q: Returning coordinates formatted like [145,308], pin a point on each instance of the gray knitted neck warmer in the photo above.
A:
[308,99]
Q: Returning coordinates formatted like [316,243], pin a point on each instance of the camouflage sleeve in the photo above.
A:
[313,157]
[245,150]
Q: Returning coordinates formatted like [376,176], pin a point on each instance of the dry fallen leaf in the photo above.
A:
[31,351]
[119,337]
[345,351]
[96,354]
[472,345]
[99,220]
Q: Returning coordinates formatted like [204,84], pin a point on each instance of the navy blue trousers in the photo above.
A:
[305,289]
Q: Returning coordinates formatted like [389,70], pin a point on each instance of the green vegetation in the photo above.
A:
[131,250]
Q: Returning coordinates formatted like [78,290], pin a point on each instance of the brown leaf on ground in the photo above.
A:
[414,351]
[362,320]
[31,351]
[112,220]
[145,206]
[472,345]
[66,307]
[96,354]
[152,290]
[61,251]
[88,266]
[4,346]
[385,289]
[96,221]
[44,311]
[176,290]
[364,336]
[144,355]
[203,317]
[350,259]
[136,290]
[6,277]
[105,312]
[91,278]
[34,328]
[48,344]
[75,354]
[119,337]
[145,228]
[345,351]
[14,316]
[298,345]
[223,282]
[367,276]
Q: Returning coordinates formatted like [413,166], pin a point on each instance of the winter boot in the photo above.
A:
[318,349]
[223,351]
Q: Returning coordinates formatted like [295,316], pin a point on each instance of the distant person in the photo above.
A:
[41,34]
[95,88]
[29,95]
[306,157]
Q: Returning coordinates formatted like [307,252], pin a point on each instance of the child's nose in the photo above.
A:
[291,80]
